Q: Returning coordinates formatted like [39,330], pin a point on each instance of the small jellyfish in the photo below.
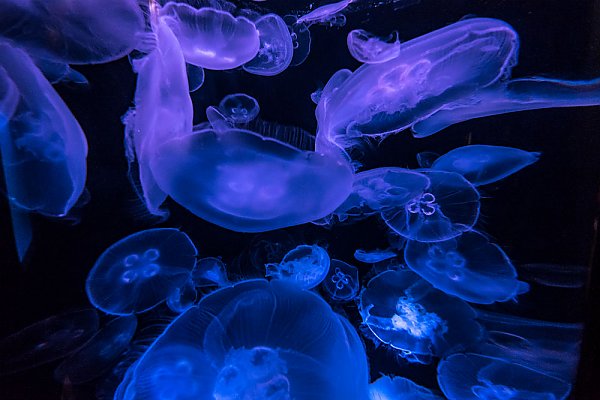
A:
[324,13]
[195,77]
[468,266]
[209,271]
[140,271]
[239,108]
[397,387]
[182,297]
[276,47]
[446,209]
[46,341]
[301,40]
[341,283]
[482,165]
[474,376]
[99,353]
[425,159]
[305,266]
[211,38]
[370,49]
[373,256]
[407,313]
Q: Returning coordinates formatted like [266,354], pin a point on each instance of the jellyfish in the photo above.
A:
[341,283]
[370,49]
[482,165]
[276,47]
[212,38]
[99,353]
[301,40]
[467,266]
[46,341]
[43,147]
[209,271]
[474,376]
[397,387]
[425,159]
[407,313]
[140,271]
[254,340]
[239,108]
[305,266]
[557,276]
[373,256]
[182,297]
[446,209]
[324,13]
[195,77]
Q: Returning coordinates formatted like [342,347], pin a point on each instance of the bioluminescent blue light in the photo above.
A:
[482,165]
[99,353]
[47,340]
[239,108]
[209,271]
[305,266]
[373,256]
[254,340]
[276,47]
[301,40]
[474,376]
[341,283]
[140,271]
[324,13]
[445,209]
[370,49]
[467,266]
[397,387]
[182,297]
[407,313]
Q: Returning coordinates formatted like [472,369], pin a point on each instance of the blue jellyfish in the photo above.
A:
[195,77]
[468,266]
[99,353]
[212,38]
[301,40]
[209,271]
[482,164]
[370,49]
[305,266]
[239,108]
[182,297]
[373,256]
[140,271]
[407,313]
[446,209]
[341,283]
[46,341]
[43,147]
[276,47]
[474,376]
[254,340]
[324,13]
[397,387]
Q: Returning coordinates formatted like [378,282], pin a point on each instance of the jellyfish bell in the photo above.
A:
[397,387]
[239,108]
[140,271]
[324,13]
[209,271]
[276,47]
[341,283]
[370,49]
[305,266]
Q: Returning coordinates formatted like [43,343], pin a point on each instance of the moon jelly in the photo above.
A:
[446,209]
[482,164]
[212,38]
[239,108]
[370,49]
[323,13]
[305,266]
[341,283]
[182,297]
[140,271]
[373,256]
[209,271]
[301,40]
[276,47]
[397,387]
[468,266]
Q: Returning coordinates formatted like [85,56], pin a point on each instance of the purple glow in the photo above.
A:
[370,49]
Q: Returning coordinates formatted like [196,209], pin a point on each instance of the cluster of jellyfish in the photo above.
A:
[283,335]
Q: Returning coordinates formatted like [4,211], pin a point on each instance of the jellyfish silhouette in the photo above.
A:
[341,283]
[305,266]
[239,108]
[468,266]
[276,47]
[482,165]
[140,271]
[446,209]
[209,271]
[474,376]
[407,313]
[46,341]
[397,387]
[370,49]
[254,340]
[183,297]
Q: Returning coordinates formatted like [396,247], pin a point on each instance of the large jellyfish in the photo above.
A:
[305,266]
[140,271]
[370,49]
[407,313]
[254,340]
[43,147]
[468,266]
[397,387]
[276,47]
[450,75]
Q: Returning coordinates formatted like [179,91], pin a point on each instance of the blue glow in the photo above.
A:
[305,266]
[341,283]
[392,388]
[373,256]
[209,271]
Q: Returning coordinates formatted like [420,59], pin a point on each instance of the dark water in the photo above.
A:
[544,214]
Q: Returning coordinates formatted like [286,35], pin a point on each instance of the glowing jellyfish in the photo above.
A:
[43,147]
[373,256]
[140,271]
[239,108]
[305,266]
[212,38]
[341,283]
[324,13]
[99,353]
[468,266]
[482,164]
[370,49]
[446,209]
[474,376]
[397,387]
[195,77]
[209,271]
[301,40]
[558,276]
[254,340]
[182,297]
[276,47]
[405,312]
[47,340]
